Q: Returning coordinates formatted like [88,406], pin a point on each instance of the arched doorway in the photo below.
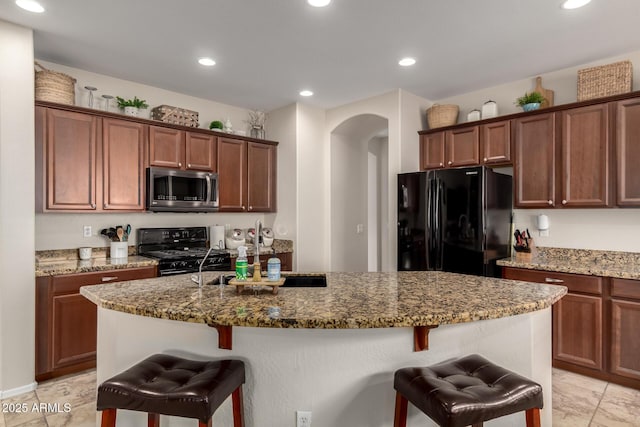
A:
[359,193]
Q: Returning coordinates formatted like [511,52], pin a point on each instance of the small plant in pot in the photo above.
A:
[530,101]
[131,107]
[216,125]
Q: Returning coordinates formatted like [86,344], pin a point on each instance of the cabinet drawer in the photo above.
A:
[574,282]
[71,283]
[625,288]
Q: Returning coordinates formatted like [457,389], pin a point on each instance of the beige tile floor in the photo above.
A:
[578,401]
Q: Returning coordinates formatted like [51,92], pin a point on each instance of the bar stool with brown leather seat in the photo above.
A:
[170,385]
[466,391]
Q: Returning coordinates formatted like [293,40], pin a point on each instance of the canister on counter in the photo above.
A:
[489,109]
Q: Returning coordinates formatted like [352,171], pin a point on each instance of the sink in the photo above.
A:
[305,281]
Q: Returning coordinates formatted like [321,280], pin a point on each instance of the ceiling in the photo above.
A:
[267,51]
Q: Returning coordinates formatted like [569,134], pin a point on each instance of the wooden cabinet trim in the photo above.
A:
[495,143]
[625,288]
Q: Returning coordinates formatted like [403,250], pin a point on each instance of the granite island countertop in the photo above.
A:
[350,300]
[622,265]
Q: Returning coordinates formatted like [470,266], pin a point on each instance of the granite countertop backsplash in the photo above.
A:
[350,300]
[65,261]
[622,265]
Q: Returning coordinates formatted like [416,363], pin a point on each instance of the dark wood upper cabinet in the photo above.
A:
[261,177]
[232,174]
[627,136]
[586,157]
[123,165]
[463,147]
[495,143]
[200,151]
[432,150]
[535,166]
[166,147]
[69,144]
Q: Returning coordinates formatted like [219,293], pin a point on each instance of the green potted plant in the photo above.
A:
[216,125]
[131,107]
[530,101]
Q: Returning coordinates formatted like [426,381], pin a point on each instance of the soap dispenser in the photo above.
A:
[241,263]
[273,268]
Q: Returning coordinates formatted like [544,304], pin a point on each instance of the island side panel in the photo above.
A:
[344,376]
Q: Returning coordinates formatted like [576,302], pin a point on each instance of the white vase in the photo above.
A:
[131,111]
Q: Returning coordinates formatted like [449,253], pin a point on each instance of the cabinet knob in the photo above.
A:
[449,162]
[550,202]
[106,206]
[180,164]
[93,205]
[242,207]
[485,159]
[188,165]
[564,202]
[441,164]
[250,208]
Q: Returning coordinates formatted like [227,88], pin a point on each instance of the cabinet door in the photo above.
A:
[200,151]
[496,143]
[71,144]
[577,330]
[166,147]
[535,163]
[586,157]
[432,150]
[74,330]
[232,174]
[625,341]
[123,173]
[261,177]
[463,147]
[628,152]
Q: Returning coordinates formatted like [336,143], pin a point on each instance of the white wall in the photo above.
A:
[603,229]
[312,191]
[413,118]
[17,281]
[282,128]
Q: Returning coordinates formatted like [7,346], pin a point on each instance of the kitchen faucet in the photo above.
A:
[198,279]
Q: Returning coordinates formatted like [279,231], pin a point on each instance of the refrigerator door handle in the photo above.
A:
[438,225]
[429,225]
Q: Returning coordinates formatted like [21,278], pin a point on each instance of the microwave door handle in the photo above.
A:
[208,178]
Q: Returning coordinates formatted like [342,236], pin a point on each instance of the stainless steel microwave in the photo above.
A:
[172,190]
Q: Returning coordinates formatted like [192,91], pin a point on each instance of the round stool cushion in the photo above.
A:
[465,391]
[170,385]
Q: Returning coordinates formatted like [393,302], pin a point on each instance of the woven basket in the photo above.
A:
[442,115]
[54,86]
[175,115]
[605,80]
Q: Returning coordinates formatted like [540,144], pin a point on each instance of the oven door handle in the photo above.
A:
[173,272]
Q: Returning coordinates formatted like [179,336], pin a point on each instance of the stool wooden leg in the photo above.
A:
[533,417]
[238,407]
[400,418]
[109,418]
[209,423]
[153,420]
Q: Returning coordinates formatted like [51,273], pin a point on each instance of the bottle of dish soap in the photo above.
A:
[273,268]
[241,264]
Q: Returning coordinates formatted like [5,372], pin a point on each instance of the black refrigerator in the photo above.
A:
[455,220]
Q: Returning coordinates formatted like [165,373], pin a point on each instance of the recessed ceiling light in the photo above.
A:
[306,93]
[207,61]
[407,62]
[318,3]
[30,5]
[574,4]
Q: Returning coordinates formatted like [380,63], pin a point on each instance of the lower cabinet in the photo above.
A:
[66,322]
[595,326]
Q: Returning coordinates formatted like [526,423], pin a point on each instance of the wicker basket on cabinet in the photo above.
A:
[605,80]
[442,115]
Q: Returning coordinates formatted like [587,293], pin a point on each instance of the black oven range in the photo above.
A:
[180,250]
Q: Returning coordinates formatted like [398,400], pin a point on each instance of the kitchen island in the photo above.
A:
[331,350]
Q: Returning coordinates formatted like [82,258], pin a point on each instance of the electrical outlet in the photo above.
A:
[360,228]
[303,418]
[544,233]
[86,230]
